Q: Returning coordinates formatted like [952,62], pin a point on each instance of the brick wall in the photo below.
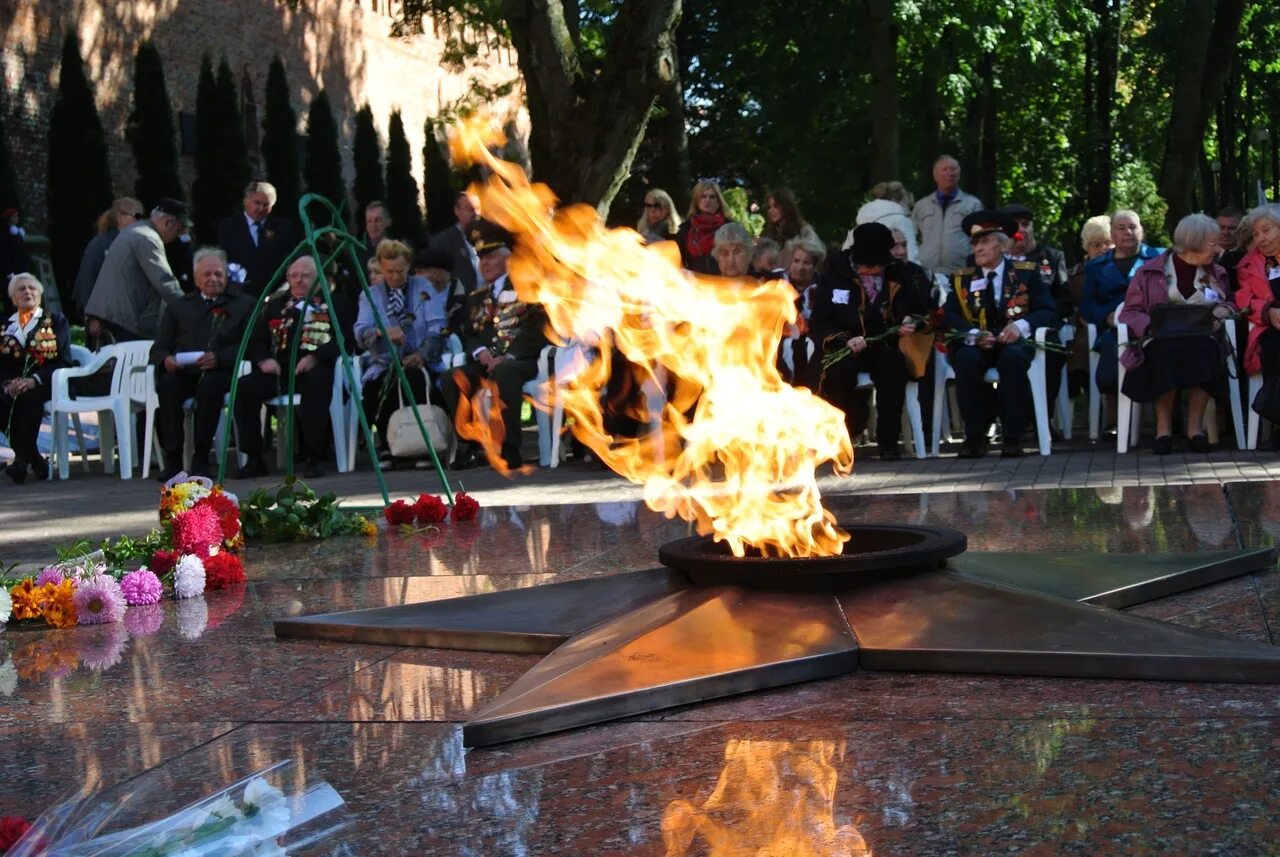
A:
[344,46]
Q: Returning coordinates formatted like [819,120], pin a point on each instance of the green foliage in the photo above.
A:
[280,142]
[79,180]
[222,156]
[151,131]
[402,189]
[322,170]
[293,512]
[437,180]
[366,152]
[738,208]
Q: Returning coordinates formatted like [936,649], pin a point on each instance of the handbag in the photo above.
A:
[1267,403]
[1179,321]
[404,438]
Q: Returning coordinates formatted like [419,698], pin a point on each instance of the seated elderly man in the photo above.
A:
[502,336]
[193,354]
[297,314]
[33,344]
[998,304]
[732,250]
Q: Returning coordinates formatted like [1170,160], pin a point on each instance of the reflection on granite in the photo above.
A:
[200,693]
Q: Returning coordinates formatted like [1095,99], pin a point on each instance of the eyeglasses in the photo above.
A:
[653,205]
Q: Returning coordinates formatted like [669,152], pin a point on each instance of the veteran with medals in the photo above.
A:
[32,344]
[993,310]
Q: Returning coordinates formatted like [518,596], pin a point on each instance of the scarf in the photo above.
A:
[702,234]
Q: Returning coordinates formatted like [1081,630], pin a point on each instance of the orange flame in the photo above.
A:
[739,447]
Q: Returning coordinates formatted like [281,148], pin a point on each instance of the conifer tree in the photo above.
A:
[222,158]
[237,167]
[402,189]
[367,154]
[79,179]
[322,171]
[10,193]
[151,131]
[280,142]
[437,180]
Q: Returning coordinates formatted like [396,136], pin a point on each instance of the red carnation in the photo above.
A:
[162,562]
[430,509]
[12,828]
[223,569]
[228,514]
[196,530]
[398,513]
[223,603]
[465,507]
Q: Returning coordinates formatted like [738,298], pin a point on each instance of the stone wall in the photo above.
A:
[344,46]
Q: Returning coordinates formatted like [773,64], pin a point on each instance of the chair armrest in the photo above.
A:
[60,386]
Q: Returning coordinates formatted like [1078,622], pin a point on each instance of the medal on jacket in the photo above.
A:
[1046,272]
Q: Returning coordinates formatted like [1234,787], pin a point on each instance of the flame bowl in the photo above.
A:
[872,549]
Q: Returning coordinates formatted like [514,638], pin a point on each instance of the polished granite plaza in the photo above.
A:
[195,695]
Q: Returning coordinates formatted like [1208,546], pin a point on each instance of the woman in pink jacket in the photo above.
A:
[1259,277]
[1156,369]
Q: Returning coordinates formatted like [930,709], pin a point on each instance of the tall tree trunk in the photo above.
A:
[882,56]
[1198,86]
[1209,184]
[981,170]
[672,170]
[933,111]
[1105,43]
[585,128]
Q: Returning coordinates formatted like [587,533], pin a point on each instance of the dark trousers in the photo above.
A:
[312,419]
[1013,396]
[381,398]
[888,370]
[510,377]
[172,389]
[1108,376]
[22,417]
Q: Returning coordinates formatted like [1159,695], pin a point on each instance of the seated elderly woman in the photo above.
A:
[858,300]
[413,315]
[731,250]
[34,343]
[802,259]
[1259,276]
[1161,365]
[1106,277]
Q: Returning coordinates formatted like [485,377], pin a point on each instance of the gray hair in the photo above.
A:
[262,187]
[1097,228]
[1195,232]
[808,245]
[209,252]
[24,276]
[733,233]
[315,269]
[1130,214]
[1266,211]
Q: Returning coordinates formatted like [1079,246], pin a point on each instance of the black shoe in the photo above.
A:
[1275,439]
[311,469]
[891,453]
[1163,445]
[254,468]
[1200,444]
[164,474]
[973,450]
[467,458]
[40,467]
[1012,451]
[17,471]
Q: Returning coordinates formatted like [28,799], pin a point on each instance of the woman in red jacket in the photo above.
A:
[1259,276]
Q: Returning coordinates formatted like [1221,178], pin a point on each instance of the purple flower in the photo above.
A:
[99,600]
[53,574]
[144,620]
[103,647]
[141,587]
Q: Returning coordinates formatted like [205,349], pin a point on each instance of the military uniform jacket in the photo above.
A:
[35,350]
[494,318]
[193,324]
[282,321]
[842,310]
[1051,268]
[1023,297]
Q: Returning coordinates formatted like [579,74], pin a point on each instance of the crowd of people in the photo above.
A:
[942,272]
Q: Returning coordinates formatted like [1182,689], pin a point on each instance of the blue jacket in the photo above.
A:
[1105,284]
[424,330]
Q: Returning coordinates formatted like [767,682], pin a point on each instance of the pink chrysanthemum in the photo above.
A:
[53,574]
[102,648]
[99,600]
[196,530]
[141,587]
[143,620]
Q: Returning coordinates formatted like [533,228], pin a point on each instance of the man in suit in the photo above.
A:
[466,264]
[136,278]
[300,311]
[256,241]
[207,324]
[502,337]
[997,304]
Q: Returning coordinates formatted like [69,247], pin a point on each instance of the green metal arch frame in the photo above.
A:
[347,243]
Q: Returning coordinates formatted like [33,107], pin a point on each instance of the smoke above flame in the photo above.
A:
[739,447]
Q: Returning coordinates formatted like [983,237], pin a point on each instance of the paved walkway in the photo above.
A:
[38,517]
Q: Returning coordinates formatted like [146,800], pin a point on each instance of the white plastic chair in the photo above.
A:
[1064,407]
[342,417]
[1039,393]
[1255,421]
[129,383]
[1095,398]
[910,409]
[80,356]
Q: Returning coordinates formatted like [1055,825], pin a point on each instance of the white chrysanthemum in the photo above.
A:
[188,577]
[193,617]
[6,605]
[8,678]
[265,808]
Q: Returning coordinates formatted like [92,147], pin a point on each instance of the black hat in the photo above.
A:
[982,223]
[872,245]
[486,236]
[433,258]
[174,208]
[1017,211]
